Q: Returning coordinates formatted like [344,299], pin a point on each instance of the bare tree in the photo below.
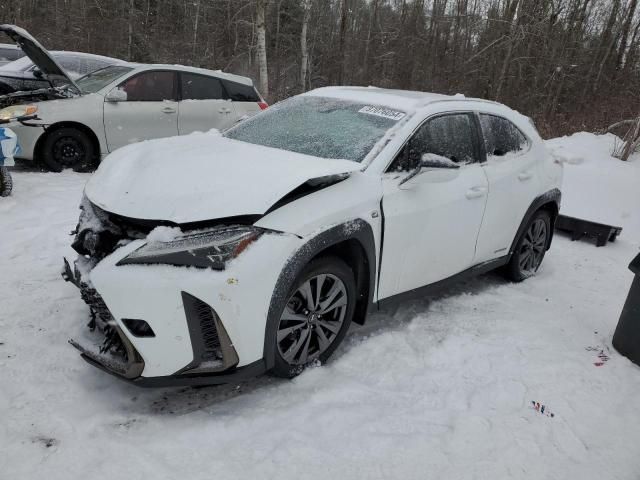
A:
[569,64]
[304,51]
[261,29]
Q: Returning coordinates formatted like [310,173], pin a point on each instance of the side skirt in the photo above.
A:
[444,284]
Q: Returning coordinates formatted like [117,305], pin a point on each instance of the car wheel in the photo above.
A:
[316,316]
[531,247]
[68,148]
[6,184]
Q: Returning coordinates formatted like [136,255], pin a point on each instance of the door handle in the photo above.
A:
[524,176]
[476,192]
[225,110]
[168,110]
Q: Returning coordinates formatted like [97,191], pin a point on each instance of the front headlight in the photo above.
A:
[17,111]
[207,249]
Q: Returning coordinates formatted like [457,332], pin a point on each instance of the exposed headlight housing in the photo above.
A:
[206,249]
[17,111]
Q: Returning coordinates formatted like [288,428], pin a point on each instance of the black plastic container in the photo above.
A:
[626,338]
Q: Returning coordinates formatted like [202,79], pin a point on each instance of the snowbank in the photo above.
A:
[597,186]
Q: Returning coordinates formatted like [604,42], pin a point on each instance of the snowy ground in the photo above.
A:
[439,388]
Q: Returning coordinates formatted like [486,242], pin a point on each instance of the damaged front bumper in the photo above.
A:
[205,326]
[128,367]
[106,346]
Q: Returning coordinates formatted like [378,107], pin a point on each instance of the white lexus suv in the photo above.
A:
[211,258]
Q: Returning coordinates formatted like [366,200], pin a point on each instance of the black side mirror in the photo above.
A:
[37,72]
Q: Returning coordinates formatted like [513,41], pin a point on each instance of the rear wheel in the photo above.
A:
[531,247]
[6,183]
[316,316]
[68,147]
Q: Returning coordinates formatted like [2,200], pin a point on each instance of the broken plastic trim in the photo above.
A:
[130,369]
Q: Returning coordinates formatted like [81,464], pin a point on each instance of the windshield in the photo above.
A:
[101,78]
[318,126]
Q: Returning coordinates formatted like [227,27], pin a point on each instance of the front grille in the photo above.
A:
[100,314]
[102,319]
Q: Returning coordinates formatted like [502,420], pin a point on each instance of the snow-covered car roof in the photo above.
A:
[218,73]
[407,100]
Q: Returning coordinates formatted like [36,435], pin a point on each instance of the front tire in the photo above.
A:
[530,248]
[6,183]
[68,147]
[316,316]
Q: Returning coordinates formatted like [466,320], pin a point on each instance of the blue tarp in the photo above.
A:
[8,147]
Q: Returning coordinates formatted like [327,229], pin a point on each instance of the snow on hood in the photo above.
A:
[40,57]
[202,176]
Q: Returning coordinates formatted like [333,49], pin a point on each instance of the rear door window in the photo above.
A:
[154,86]
[201,87]
[239,92]
[501,136]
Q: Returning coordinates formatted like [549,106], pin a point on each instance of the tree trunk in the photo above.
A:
[195,31]
[624,36]
[304,61]
[343,34]
[262,46]
[130,33]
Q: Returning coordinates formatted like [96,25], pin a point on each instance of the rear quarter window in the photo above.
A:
[239,92]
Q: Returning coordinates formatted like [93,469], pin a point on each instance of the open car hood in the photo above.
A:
[203,176]
[41,58]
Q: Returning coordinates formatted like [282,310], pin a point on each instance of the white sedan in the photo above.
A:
[269,240]
[78,122]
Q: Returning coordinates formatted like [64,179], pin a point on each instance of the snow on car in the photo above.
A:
[81,120]
[297,222]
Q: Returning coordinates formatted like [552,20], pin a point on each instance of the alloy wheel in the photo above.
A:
[312,319]
[533,247]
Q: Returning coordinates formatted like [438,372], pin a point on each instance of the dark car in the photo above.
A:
[23,75]
[9,53]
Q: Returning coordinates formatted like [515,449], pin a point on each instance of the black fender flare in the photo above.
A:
[551,197]
[358,230]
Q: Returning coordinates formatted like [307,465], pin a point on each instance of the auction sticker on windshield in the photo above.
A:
[382,112]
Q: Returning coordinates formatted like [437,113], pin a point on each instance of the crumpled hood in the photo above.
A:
[202,176]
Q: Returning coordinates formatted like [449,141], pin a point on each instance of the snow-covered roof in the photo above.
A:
[407,100]
[85,55]
[218,73]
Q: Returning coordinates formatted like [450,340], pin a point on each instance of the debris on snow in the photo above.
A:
[542,409]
